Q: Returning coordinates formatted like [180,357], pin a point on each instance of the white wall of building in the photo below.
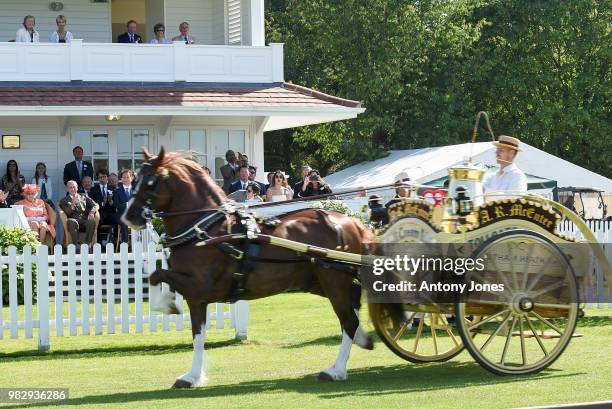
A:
[203,17]
[86,20]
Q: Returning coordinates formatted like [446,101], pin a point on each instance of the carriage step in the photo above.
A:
[544,335]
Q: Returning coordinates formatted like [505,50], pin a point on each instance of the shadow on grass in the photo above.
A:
[374,381]
[35,355]
[595,321]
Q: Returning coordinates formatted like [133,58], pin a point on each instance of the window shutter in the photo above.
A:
[234,22]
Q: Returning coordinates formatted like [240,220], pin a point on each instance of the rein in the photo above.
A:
[284,202]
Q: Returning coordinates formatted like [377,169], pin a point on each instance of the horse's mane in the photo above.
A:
[189,171]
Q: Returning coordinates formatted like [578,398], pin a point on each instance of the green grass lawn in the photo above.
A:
[291,338]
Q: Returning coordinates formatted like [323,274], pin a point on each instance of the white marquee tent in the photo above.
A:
[427,164]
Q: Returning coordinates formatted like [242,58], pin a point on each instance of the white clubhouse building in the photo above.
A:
[221,93]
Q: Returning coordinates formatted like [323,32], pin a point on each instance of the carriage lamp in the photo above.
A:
[463,201]
[378,212]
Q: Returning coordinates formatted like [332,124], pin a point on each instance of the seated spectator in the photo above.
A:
[315,186]
[121,197]
[253,175]
[27,33]
[184,37]
[43,182]
[12,183]
[35,211]
[113,180]
[279,189]
[60,35]
[241,183]
[130,36]
[80,211]
[102,194]
[160,35]
[297,188]
[87,185]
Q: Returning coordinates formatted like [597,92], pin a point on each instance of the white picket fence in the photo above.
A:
[600,290]
[86,282]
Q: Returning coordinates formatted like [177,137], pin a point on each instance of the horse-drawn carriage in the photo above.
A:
[220,254]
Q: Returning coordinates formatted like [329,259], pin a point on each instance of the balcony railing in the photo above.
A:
[79,61]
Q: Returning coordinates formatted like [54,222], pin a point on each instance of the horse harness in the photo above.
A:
[246,252]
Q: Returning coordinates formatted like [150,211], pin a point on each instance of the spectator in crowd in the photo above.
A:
[27,33]
[80,211]
[315,186]
[184,37]
[253,175]
[279,189]
[207,170]
[87,185]
[130,36]
[78,168]
[121,197]
[113,180]
[35,211]
[60,35]
[230,170]
[160,35]
[361,192]
[12,183]
[102,194]
[297,188]
[243,159]
[43,182]
[241,183]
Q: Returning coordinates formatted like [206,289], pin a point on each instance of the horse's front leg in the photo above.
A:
[162,301]
[197,375]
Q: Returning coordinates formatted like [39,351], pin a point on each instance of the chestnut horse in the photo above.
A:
[204,274]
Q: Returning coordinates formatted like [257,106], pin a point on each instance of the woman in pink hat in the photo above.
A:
[36,212]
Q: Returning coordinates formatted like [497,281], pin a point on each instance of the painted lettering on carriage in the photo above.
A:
[515,210]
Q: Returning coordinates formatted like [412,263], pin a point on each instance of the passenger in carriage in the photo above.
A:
[509,177]
[402,190]
[279,190]
[60,35]
[27,33]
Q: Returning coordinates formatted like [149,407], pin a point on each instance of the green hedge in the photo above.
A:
[18,237]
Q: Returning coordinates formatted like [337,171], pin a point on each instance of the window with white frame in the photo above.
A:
[193,142]
[95,147]
[224,140]
[129,148]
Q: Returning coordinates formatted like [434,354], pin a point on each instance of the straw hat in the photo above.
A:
[508,142]
[402,178]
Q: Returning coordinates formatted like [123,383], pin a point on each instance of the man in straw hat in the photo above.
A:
[402,188]
[509,177]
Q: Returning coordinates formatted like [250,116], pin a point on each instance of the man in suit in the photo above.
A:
[252,176]
[121,197]
[102,194]
[87,185]
[81,211]
[77,169]
[297,188]
[242,182]
[184,37]
[229,171]
[130,37]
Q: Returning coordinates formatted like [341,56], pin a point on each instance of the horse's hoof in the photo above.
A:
[369,345]
[181,384]
[324,377]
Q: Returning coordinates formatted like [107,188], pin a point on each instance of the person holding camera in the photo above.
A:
[316,185]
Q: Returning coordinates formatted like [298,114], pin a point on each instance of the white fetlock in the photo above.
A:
[166,304]
[195,380]
[336,374]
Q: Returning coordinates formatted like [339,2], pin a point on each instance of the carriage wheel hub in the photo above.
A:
[525,304]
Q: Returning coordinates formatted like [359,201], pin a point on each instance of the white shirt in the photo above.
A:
[23,36]
[510,179]
[54,37]
[48,187]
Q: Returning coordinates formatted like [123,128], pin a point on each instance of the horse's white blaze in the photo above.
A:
[197,376]
[338,370]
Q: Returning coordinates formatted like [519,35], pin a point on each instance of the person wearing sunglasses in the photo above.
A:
[160,35]
[279,189]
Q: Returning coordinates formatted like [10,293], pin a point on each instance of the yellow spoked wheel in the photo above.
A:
[526,327]
[417,334]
